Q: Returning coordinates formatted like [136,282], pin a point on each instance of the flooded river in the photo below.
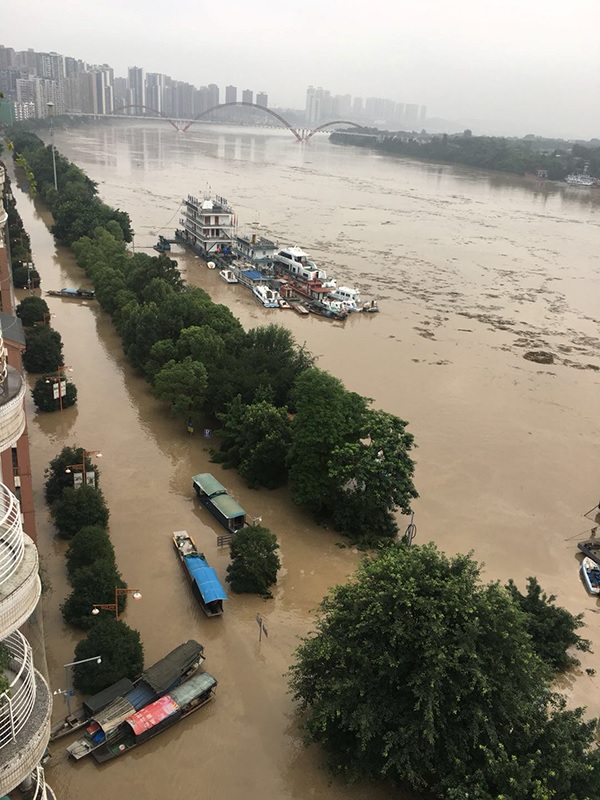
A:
[471,272]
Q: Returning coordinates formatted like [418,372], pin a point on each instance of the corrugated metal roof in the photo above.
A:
[162,675]
[208,484]
[114,714]
[228,507]
[100,700]
[196,686]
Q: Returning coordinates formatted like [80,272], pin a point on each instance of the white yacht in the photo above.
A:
[350,298]
[297,263]
[270,298]
[228,276]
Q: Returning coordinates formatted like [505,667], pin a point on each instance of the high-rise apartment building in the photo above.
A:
[247,96]
[231,94]
[26,706]
[213,95]
[262,99]
[155,90]
[137,88]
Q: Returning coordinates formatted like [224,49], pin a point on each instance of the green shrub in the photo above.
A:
[121,651]
[77,508]
[254,560]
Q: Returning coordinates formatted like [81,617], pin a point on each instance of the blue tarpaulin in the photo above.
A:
[206,578]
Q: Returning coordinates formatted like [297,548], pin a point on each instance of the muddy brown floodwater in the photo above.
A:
[471,272]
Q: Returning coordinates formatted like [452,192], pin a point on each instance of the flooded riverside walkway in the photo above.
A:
[471,271]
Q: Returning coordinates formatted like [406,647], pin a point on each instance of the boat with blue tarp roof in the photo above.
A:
[205,581]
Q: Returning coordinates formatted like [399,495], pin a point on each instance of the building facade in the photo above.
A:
[25,697]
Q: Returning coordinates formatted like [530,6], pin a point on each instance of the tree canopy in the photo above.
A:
[89,544]
[32,309]
[121,651]
[77,508]
[421,674]
[43,349]
[57,479]
[254,560]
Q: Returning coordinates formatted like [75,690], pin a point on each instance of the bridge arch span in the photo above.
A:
[329,124]
[248,105]
[147,108]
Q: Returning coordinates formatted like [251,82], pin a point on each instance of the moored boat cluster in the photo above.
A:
[278,278]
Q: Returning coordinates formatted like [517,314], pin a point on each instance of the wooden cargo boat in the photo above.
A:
[158,716]
[155,682]
[213,495]
[205,583]
[93,705]
[74,294]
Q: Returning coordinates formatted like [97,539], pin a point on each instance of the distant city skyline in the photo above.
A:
[507,68]
[33,83]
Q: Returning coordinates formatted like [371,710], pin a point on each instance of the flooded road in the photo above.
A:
[471,272]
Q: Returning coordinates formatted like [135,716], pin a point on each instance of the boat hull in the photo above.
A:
[590,572]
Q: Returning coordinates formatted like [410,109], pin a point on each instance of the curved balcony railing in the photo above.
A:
[12,408]
[16,704]
[41,791]
[12,542]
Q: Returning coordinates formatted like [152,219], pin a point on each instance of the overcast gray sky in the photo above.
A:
[505,66]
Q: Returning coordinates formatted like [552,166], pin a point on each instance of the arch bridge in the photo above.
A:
[182,126]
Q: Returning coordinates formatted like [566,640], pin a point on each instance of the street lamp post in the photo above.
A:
[68,691]
[51,115]
[84,455]
[97,607]
[62,381]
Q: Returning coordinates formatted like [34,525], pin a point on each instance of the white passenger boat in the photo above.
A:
[579,179]
[228,276]
[268,297]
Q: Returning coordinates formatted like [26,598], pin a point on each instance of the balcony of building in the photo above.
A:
[12,409]
[20,586]
[33,788]
[25,711]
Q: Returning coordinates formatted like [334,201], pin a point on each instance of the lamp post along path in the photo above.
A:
[61,380]
[97,607]
[68,692]
[86,478]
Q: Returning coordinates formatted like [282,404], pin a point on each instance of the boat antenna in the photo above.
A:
[593,508]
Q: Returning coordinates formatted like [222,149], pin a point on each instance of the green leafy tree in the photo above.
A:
[121,651]
[90,544]
[256,440]
[58,479]
[43,394]
[92,584]
[254,560]
[327,417]
[420,674]
[182,384]
[373,477]
[77,508]
[553,629]
[32,310]
[43,350]
[24,278]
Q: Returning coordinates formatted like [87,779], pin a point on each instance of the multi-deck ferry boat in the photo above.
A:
[580,179]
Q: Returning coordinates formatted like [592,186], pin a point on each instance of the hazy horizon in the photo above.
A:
[499,67]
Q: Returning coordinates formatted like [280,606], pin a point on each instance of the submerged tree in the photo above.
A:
[254,560]
[420,674]
[121,651]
